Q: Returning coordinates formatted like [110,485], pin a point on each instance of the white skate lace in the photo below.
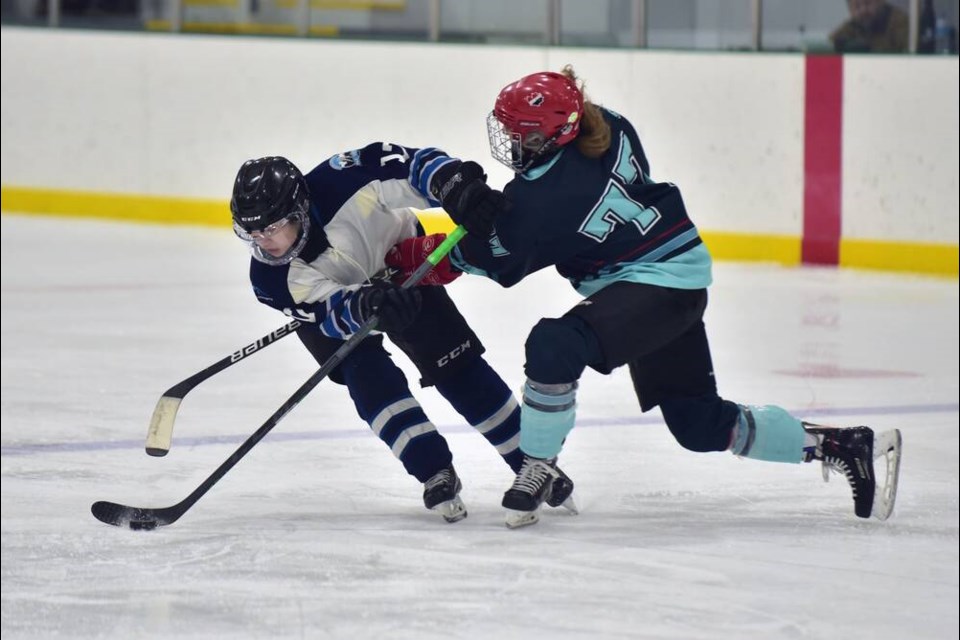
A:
[532,475]
[837,465]
[440,478]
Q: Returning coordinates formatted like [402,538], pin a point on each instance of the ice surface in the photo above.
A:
[319,533]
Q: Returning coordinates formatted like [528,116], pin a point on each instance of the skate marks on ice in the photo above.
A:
[324,536]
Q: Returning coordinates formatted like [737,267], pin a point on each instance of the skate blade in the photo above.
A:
[452,510]
[887,445]
[516,519]
[570,506]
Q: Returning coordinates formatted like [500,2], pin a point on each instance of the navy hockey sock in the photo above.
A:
[483,398]
[383,399]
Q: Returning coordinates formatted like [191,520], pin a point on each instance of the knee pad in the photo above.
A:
[559,349]
[366,356]
[700,423]
[365,360]
[322,348]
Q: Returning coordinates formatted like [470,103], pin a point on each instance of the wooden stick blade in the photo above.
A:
[160,433]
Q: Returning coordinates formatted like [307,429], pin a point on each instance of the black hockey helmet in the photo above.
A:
[268,194]
[267,190]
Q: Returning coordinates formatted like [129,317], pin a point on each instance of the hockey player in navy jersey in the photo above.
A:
[318,242]
[583,200]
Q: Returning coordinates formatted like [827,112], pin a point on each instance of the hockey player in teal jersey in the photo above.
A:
[583,201]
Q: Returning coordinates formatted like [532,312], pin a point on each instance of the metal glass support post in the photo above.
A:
[756,11]
[638,18]
[303,18]
[176,16]
[53,13]
[913,26]
[553,22]
[433,21]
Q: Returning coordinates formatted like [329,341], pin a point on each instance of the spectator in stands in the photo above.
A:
[875,26]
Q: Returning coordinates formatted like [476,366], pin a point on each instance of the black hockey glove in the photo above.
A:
[462,190]
[397,308]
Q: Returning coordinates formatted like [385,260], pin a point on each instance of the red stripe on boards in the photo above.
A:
[822,156]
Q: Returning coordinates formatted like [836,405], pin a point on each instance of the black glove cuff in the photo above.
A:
[451,178]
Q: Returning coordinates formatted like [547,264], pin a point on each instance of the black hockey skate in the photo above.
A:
[441,493]
[538,481]
[851,452]
[561,494]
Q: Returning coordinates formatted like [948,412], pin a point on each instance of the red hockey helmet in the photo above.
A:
[532,117]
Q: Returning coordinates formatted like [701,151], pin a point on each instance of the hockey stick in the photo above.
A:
[149,518]
[160,432]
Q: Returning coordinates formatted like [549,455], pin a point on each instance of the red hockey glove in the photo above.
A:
[409,254]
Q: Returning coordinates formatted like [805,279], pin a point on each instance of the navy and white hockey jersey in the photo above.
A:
[362,202]
[597,220]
